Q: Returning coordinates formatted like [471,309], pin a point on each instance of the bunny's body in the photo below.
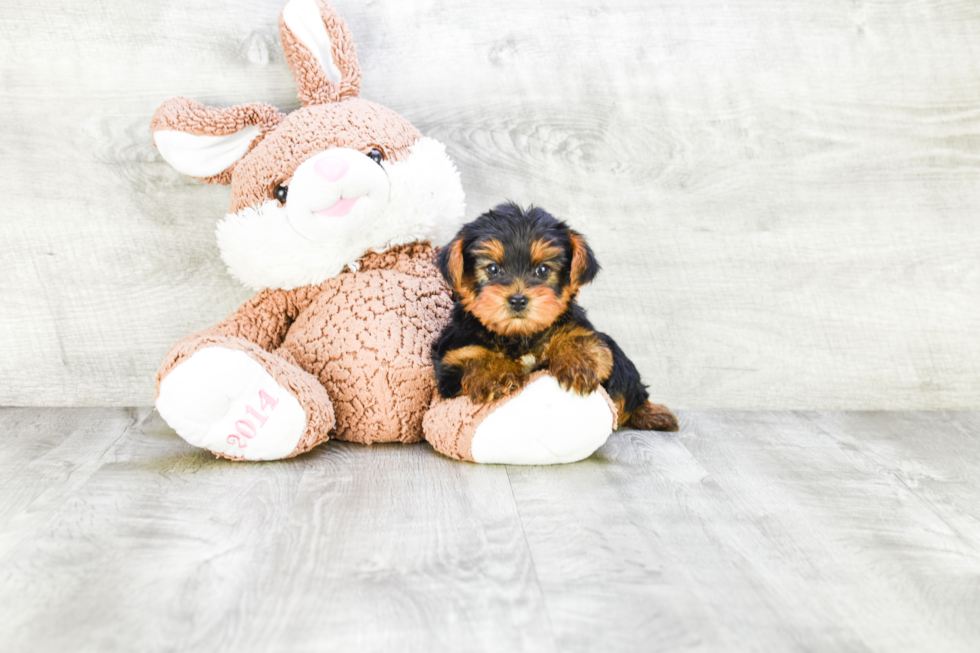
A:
[334,208]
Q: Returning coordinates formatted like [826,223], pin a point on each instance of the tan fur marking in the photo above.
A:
[621,415]
[579,259]
[455,265]
[578,359]
[491,308]
[460,357]
[492,249]
[543,251]
[487,375]
[543,306]
[569,292]
[650,417]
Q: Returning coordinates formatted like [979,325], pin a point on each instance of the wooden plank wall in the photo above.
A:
[783,195]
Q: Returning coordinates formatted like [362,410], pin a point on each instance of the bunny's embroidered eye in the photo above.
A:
[376,155]
[281,192]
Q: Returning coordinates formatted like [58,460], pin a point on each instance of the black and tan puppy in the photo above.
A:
[515,276]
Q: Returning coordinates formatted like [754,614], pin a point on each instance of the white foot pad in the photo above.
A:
[544,425]
[225,401]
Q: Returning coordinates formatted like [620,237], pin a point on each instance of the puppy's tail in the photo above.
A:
[650,417]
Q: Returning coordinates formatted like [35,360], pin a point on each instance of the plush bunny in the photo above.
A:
[333,211]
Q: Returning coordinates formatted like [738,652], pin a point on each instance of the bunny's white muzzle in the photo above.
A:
[336,194]
[340,205]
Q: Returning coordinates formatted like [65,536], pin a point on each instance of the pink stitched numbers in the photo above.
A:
[245,427]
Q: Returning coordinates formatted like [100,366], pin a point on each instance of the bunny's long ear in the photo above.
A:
[320,52]
[206,142]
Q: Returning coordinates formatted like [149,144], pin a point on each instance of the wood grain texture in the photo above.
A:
[876,558]
[399,548]
[745,531]
[933,454]
[782,195]
[147,554]
[165,548]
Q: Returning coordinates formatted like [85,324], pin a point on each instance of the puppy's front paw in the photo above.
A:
[579,360]
[581,370]
[577,376]
[493,380]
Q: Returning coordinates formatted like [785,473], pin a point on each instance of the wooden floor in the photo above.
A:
[746,531]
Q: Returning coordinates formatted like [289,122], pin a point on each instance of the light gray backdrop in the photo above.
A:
[783,194]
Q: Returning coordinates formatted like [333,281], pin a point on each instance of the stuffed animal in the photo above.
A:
[334,211]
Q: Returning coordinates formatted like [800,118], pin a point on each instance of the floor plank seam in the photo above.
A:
[748,530]
[534,566]
[921,499]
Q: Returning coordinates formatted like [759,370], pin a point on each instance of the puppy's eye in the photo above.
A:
[281,192]
[542,271]
[493,270]
[376,155]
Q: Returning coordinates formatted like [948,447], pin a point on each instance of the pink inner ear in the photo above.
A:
[204,156]
[207,142]
[320,52]
[304,20]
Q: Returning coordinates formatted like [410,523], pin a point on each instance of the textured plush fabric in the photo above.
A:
[304,386]
[450,424]
[356,124]
[367,336]
[364,336]
[275,245]
[312,84]
[355,348]
[191,117]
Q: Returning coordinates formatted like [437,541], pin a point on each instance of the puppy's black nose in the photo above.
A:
[517,302]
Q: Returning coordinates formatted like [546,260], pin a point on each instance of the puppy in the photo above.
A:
[515,275]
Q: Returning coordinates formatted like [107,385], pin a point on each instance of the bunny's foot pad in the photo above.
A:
[544,425]
[541,424]
[226,402]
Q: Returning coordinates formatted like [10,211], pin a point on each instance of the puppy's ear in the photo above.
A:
[451,263]
[584,266]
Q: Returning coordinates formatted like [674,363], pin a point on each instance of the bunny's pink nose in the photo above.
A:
[331,169]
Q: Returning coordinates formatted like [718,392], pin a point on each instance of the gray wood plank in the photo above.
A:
[164,548]
[47,455]
[746,531]
[149,553]
[934,454]
[400,549]
[849,534]
[782,195]
[640,548]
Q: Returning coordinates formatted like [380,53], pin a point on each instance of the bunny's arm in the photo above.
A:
[265,319]
[261,323]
